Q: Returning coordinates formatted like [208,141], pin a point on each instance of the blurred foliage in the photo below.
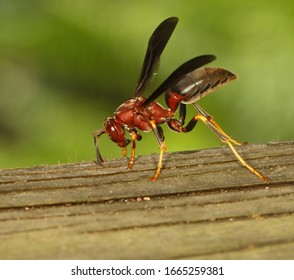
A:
[66,65]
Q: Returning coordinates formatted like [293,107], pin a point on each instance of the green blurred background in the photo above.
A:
[67,65]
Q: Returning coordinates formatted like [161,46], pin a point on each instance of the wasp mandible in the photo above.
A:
[186,85]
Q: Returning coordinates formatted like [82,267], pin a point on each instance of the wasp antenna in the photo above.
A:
[96,135]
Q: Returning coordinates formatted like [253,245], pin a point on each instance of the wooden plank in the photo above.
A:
[204,206]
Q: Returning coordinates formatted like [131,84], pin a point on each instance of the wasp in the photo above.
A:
[186,85]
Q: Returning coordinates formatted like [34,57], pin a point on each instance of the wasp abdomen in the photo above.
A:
[201,82]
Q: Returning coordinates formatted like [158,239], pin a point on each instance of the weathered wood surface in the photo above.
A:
[204,206]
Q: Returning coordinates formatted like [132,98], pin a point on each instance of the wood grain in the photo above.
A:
[205,205]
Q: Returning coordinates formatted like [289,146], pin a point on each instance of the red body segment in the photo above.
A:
[132,115]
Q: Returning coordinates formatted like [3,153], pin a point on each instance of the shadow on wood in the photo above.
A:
[205,205]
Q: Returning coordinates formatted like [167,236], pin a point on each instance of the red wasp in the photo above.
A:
[186,85]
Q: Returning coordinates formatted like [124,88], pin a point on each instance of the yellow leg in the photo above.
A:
[132,159]
[159,166]
[245,164]
[124,151]
[228,140]
[163,149]
[214,123]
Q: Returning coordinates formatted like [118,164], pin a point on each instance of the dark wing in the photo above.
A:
[156,45]
[178,74]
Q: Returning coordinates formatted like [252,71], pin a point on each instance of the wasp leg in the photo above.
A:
[215,127]
[133,147]
[227,140]
[208,120]
[160,138]
[135,135]
[124,151]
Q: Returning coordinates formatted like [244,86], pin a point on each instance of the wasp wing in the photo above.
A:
[156,45]
[179,73]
